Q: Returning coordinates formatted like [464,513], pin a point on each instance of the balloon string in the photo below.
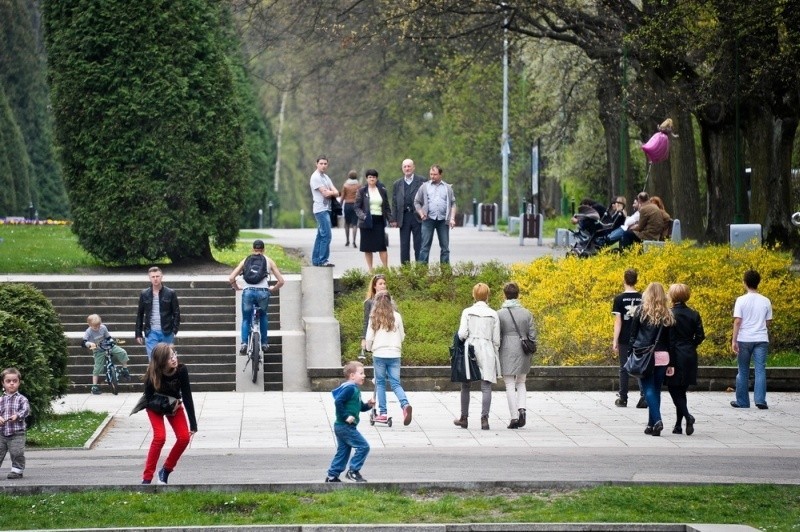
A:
[647,176]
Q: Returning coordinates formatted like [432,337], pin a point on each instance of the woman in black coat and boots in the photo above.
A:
[686,335]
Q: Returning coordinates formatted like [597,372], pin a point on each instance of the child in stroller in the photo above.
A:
[593,229]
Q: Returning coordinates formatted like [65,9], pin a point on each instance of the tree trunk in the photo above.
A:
[770,140]
[609,96]
[683,167]
[719,144]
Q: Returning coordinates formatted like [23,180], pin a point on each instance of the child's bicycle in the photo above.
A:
[114,374]
[253,352]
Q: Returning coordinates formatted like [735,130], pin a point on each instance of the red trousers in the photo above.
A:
[180,426]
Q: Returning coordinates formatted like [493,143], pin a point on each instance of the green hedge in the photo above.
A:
[571,300]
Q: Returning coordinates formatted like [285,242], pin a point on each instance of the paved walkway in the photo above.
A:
[572,438]
[466,244]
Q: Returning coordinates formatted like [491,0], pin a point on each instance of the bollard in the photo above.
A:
[261,218]
[302,219]
[269,215]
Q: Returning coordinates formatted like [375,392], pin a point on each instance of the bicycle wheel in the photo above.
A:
[255,353]
[111,377]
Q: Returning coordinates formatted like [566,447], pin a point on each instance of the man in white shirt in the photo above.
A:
[322,190]
[752,315]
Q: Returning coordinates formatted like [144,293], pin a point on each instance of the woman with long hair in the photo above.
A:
[651,325]
[376,284]
[686,335]
[480,329]
[385,336]
[166,376]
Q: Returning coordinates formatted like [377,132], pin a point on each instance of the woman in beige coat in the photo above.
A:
[514,362]
[480,328]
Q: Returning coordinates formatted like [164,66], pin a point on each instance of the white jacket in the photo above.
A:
[386,344]
[480,328]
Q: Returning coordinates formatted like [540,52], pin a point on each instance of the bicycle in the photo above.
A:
[253,352]
[113,374]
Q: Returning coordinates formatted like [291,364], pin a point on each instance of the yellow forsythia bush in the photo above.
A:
[571,298]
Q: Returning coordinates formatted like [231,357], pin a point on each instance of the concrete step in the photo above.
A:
[208,338]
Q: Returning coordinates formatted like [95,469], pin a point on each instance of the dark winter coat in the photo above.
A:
[685,336]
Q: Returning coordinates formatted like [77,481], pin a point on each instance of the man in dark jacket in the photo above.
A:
[404,191]
[159,315]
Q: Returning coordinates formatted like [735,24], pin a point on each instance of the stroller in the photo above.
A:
[591,232]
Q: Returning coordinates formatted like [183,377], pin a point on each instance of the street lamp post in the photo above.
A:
[505,148]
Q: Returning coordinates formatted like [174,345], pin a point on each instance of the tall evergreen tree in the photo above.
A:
[22,78]
[149,126]
[14,164]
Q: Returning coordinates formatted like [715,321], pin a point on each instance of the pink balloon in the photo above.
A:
[657,148]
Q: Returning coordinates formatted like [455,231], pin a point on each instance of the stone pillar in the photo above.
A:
[295,369]
[323,344]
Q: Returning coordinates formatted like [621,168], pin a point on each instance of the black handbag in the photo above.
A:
[163,404]
[641,360]
[528,345]
[463,367]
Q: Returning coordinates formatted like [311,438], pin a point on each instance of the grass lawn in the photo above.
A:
[64,430]
[55,249]
[764,506]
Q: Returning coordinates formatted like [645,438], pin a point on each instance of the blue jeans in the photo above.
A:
[758,352]
[442,228]
[651,385]
[250,298]
[615,235]
[347,439]
[155,337]
[390,367]
[322,244]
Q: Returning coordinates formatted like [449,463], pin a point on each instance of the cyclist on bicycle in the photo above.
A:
[255,270]
[96,333]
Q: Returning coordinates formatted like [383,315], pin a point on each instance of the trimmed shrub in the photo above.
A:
[571,300]
[21,348]
[31,306]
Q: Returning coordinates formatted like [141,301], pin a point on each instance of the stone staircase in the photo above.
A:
[206,342]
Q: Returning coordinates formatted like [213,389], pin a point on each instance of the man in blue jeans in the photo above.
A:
[256,291]
[752,315]
[436,205]
[322,190]
[159,314]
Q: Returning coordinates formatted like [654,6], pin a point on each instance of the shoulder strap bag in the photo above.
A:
[528,345]
[641,360]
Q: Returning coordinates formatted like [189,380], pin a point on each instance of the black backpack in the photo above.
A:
[255,269]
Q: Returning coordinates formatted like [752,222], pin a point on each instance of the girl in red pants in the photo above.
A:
[166,376]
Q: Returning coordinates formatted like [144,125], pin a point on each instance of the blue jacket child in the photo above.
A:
[347,399]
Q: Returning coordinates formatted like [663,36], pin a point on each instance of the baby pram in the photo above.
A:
[591,232]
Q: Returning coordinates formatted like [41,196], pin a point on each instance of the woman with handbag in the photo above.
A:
[480,330]
[650,332]
[516,325]
[374,214]
[166,378]
[686,335]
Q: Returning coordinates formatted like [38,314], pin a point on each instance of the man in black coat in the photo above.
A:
[403,192]
[162,326]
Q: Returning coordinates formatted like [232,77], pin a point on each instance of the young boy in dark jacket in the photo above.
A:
[347,398]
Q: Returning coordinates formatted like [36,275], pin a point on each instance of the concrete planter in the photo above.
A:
[560,378]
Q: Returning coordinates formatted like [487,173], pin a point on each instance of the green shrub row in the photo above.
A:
[32,340]
[571,300]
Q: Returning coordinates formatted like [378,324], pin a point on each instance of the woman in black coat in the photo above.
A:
[686,335]
[374,215]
